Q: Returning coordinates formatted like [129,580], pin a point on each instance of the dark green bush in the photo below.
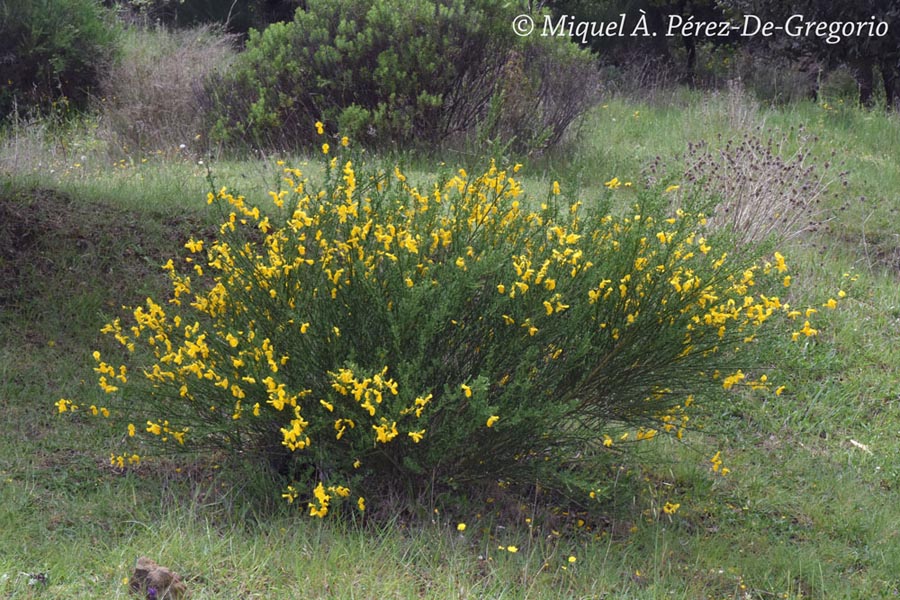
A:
[52,51]
[390,72]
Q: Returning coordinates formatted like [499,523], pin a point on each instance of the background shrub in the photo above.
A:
[51,51]
[236,17]
[366,333]
[152,94]
[390,72]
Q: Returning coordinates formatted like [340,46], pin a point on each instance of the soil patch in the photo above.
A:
[65,258]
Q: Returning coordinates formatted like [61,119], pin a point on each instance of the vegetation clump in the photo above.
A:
[396,74]
[53,53]
[368,331]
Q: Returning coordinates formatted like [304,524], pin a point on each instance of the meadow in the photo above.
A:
[809,508]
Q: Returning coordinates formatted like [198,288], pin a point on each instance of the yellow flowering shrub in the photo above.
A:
[368,331]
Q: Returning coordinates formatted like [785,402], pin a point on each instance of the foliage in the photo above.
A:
[235,17]
[369,332]
[52,51]
[838,44]
[651,19]
[391,72]
[805,512]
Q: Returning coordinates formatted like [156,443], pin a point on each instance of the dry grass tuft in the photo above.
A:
[763,188]
[151,97]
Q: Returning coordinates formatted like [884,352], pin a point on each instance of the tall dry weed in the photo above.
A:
[151,97]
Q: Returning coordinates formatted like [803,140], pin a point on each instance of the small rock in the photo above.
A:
[156,582]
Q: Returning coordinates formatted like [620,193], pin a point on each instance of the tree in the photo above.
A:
[658,14]
[852,36]
[237,17]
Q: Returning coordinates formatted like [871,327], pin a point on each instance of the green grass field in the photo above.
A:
[810,508]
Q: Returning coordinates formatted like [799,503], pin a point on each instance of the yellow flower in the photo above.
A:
[670,508]
[131,430]
[325,148]
[417,435]
[320,128]
[572,559]
[290,494]
[807,330]
[384,433]
[672,188]
[466,390]
[779,262]
[512,549]
[613,183]
[731,380]
[461,527]
[555,188]
[492,419]
[345,141]
[361,504]
[717,463]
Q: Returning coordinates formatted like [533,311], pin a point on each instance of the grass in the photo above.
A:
[809,509]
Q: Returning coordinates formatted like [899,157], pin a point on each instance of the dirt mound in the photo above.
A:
[65,258]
